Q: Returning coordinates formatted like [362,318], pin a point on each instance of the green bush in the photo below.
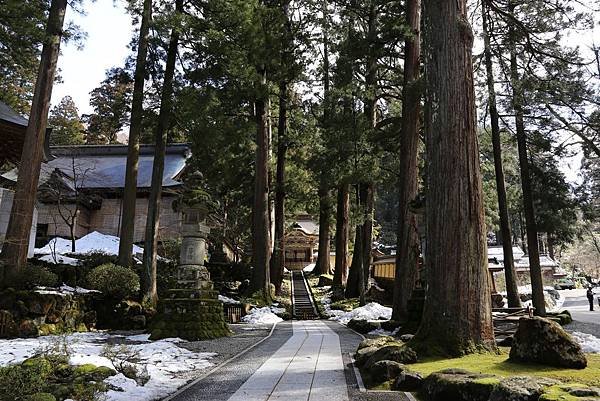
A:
[166,276]
[114,281]
[33,276]
[20,381]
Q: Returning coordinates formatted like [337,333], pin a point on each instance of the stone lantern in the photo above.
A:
[192,310]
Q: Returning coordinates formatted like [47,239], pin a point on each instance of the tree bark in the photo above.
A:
[505,230]
[279,251]
[354,276]
[261,219]
[341,236]
[535,270]
[323,265]
[367,238]
[16,243]
[407,254]
[133,147]
[149,289]
[457,316]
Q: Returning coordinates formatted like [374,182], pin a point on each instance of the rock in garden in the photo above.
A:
[385,370]
[458,385]
[406,337]
[363,326]
[520,388]
[408,381]
[542,341]
[396,353]
[363,354]
[375,342]
[325,280]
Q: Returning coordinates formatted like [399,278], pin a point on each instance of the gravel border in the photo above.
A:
[244,335]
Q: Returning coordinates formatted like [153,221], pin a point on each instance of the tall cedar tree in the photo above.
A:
[457,316]
[278,259]
[509,265]
[323,263]
[407,255]
[260,212]
[149,289]
[16,244]
[67,128]
[133,147]
[535,270]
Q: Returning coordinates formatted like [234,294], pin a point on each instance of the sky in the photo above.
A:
[109,30]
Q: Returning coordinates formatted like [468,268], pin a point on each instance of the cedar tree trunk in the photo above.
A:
[535,270]
[341,236]
[407,254]
[457,317]
[505,230]
[279,252]
[260,213]
[16,243]
[149,290]
[133,147]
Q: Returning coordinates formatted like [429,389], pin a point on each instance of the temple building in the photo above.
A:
[301,243]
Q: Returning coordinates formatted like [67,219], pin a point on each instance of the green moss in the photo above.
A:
[90,372]
[487,381]
[556,393]
[40,365]
[346,305]
[498,364]
[41,397]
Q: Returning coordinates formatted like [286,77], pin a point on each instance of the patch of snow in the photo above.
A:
[371,311]
[227,300]
[264,315]
[588,342]
[164,360]
[382,332]
[63,290]
[309,268]
[93,242]
[60,259]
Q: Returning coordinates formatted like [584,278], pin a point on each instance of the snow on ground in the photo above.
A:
[59,259]
[382,332]
[309,268]
[371,311]
[227,300]
[554,298]
[63,290]
[93,242]
[164,360]
[264,315]
[588,342]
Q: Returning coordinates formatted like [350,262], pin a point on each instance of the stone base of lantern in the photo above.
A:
[191,311]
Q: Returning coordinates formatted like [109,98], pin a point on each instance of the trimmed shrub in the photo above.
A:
[34,276]
[114,281]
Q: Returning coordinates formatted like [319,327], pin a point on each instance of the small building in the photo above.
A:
[87,182]
[301,243]
[550,268]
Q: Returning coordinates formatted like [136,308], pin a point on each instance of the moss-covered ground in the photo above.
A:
[498,364]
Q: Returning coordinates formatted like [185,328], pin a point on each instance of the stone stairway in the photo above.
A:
[304,308]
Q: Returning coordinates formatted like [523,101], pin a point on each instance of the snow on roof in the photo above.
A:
[101,167]
[498,253]
[307,226]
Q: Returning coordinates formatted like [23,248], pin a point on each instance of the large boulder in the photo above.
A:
[377,342]
[363,326]
[408,381]
[385,370]
[542,341]
[396,353]
[519,388]
[458,385]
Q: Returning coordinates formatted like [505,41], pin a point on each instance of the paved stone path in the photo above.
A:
[308,367]
[302,360]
